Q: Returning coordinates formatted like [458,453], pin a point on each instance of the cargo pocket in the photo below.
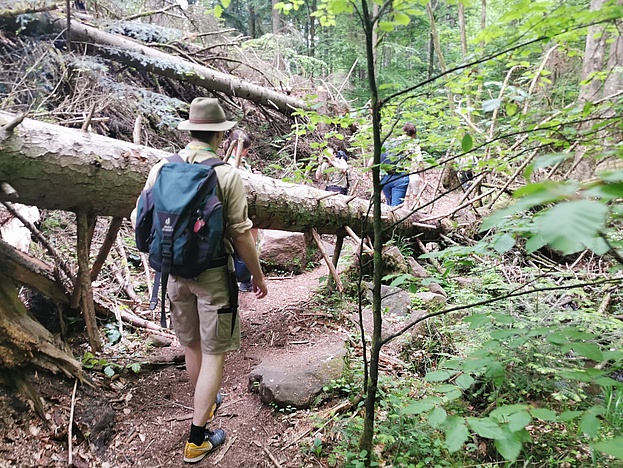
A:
[224,324]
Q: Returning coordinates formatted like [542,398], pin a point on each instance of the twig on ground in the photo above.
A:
[267,452]
[325,415]
[224,450]
[87,120]
[70,434]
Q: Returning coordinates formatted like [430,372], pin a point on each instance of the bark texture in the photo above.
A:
[55,167]
[23,340]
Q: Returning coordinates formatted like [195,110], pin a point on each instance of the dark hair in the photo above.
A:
[410,129]
[236,135]
[205,136]
[341,154]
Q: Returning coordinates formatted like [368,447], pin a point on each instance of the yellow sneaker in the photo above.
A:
[194,453]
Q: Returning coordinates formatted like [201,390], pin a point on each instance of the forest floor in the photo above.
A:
[143,419]
[152,409]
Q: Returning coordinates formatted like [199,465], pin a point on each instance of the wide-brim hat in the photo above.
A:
[206,114]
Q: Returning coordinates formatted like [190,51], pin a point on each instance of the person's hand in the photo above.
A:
[259,287]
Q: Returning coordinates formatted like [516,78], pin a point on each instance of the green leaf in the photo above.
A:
[386,26]
[518,421]
[467,143]
[438,376]
[437,417]
[464,381]
[495,371]
[570,226]
[225,3]
[486,428]
[218,11]
[456,436]
[503,243]
[502,334]
[589,424]
[511,109]
[509,448]
[109,371]
[588,350]
[421,406]
[401,18]
[477,320]
[453,395]
[491,104]
[612,447]
[507,410]
[544,414]
[567,416]
[446,388]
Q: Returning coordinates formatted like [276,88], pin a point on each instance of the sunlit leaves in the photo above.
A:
[467,143]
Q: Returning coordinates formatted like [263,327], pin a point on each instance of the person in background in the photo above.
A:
[401,156]
[334,171]
[204,309]
[236,148]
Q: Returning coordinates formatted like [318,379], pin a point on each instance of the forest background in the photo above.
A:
[526,95]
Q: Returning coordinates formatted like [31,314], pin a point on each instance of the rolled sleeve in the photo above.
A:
[234,199]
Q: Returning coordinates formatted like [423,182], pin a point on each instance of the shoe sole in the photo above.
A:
[196,459]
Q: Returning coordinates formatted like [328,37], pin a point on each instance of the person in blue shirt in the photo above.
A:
[398,157]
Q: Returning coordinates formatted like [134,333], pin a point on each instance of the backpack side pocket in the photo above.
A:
[143,233]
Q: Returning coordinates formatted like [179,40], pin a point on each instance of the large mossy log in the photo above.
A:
[55,167]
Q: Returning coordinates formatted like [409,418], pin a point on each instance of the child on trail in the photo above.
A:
[334,171]
[236,148]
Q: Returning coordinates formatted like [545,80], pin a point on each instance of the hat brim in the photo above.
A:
[211,127]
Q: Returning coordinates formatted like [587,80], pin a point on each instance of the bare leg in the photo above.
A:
[207,386]
[193,362]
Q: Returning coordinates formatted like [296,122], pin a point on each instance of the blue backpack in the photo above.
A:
[179,222]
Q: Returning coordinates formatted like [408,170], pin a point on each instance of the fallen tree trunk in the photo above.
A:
[54,167]
[23,340]
[129,52]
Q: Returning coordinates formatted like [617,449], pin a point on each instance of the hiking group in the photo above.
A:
[192,218]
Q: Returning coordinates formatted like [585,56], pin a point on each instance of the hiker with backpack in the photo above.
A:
[401,157]
[236,146]
[190,217]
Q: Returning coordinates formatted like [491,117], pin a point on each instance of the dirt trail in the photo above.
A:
[255,432]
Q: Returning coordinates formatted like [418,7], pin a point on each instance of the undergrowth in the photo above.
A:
[528,381]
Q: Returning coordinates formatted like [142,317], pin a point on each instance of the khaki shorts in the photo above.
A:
[201,313]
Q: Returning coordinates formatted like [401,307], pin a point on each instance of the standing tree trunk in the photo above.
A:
[371,370]
[274,14]
[251,22]
[602,53]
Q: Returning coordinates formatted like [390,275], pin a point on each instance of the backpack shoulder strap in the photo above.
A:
[213,162]
[175,158]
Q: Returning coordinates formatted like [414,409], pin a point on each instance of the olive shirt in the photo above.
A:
[201,309]
[230,190]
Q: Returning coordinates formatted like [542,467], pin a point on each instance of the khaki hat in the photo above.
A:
[206,114]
